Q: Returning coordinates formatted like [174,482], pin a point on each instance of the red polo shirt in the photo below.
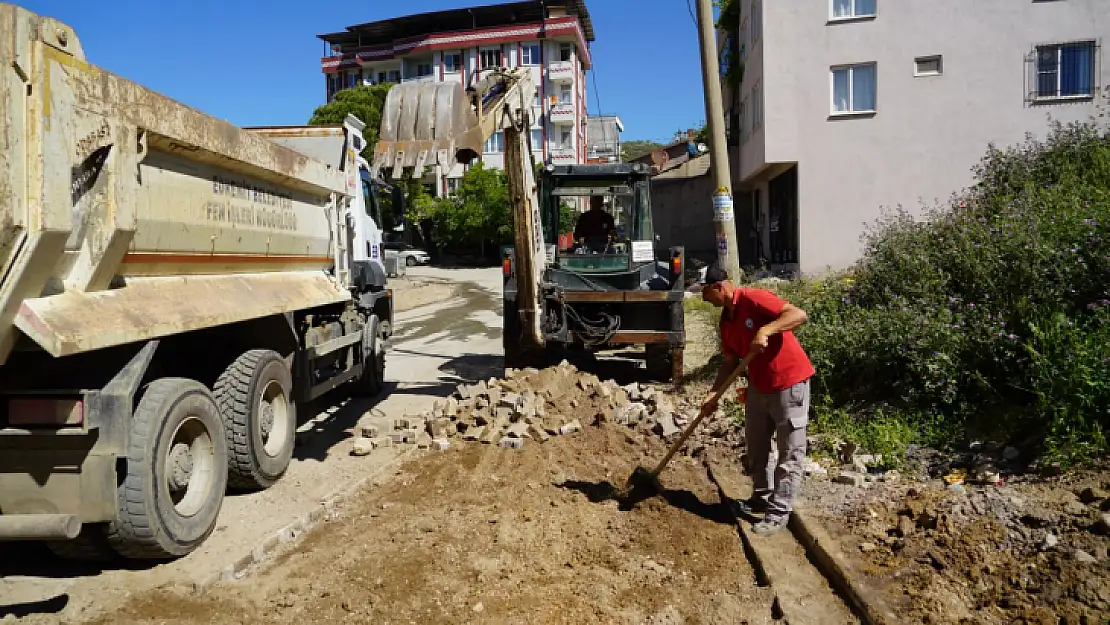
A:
[783,363]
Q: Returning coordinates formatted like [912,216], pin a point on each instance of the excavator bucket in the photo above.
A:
[426,123]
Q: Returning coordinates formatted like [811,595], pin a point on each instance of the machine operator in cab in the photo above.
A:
[595,228]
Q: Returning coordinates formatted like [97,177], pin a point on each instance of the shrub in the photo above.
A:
[990,316]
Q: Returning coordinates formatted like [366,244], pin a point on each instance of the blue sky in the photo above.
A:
[257,62]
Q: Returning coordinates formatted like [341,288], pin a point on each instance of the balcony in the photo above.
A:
[561,72]
[563,156]
[562,114]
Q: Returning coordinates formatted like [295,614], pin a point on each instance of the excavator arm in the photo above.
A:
[427,124]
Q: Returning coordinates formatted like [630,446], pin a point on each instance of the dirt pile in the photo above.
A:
[990,554]
[535,405]
[486,535]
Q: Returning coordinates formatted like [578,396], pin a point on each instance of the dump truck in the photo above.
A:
[173,286]
[587,296]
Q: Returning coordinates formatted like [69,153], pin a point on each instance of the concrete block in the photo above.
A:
[851,478]
[504,412]
[369,431]
[382,441]
[400,424]
[537,432]
[492,433]
[441,444]
[474,433]
[665,425]
[517,430]
[362,446]
[410,435]
[511,443]
[452,408]
[439,428]
[512,400]
[464,391]
[570,428]
[423,441]
[397,437]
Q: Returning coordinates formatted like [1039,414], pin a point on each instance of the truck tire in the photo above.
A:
[255,396]
[173,485]
[89,546]
[372,380]
[661,361]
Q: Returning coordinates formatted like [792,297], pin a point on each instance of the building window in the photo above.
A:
[489,58]
[495,143]
[927,66]
[566,140]
[452,62]
[565,96]
[381,78]
[564,51]
[757,20]
[851,9]
[530,54]
[745,37]
[757,106]
[536,101]
[745,123]
[537,139]
[853,89]
[423,69]
[1066,70]
[453,185]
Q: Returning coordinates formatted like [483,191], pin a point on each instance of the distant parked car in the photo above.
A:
[409,254]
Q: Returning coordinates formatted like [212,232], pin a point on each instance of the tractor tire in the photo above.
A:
[255,396]
[372,381]
[172,487]
[661,362]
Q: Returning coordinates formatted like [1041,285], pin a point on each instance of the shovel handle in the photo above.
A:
[741,368]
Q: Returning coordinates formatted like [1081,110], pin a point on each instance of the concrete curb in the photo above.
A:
[828,559]
[290,534]
[754,555]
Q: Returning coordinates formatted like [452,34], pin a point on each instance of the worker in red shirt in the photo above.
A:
[757,322]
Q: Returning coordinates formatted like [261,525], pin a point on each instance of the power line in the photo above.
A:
[690,9]
[600,120]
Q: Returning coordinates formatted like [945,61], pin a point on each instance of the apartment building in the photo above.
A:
[847,106]
[550,37]
[603,139]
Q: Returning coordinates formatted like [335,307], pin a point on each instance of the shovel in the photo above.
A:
[641,477]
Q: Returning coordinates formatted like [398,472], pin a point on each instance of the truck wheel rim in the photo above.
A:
[273,423]
[190,466]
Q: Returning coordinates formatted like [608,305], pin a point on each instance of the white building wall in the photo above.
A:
[926,132]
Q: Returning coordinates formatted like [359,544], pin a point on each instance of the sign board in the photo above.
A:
[722,206]
[642,251]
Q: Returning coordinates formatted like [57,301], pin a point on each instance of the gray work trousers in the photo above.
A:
[785,414]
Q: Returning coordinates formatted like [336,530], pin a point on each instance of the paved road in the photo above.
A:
[435,348]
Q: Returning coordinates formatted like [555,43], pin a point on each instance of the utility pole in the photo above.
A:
[724,218]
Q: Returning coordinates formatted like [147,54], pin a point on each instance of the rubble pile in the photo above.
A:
[535,405]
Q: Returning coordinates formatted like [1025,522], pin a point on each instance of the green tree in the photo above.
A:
[364,102]
[637,148]
[479,212]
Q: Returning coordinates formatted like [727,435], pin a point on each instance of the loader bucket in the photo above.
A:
[427,124]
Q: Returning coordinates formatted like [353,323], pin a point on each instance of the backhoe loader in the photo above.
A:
[588,295]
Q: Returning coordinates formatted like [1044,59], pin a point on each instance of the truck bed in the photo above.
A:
[114,197]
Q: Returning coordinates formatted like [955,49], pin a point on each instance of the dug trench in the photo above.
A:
[525,532]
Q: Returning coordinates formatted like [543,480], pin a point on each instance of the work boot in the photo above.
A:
[769,526]
[751,507]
